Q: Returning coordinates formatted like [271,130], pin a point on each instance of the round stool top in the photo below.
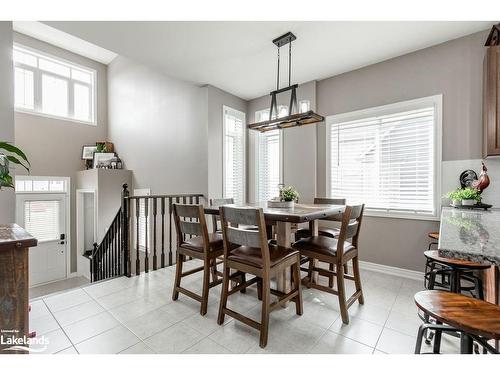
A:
[467,314]
[452,262]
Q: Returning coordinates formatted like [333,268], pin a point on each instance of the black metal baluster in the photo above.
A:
[170,231]
[125,237]
[162,232]
[155,266]
[146,234]
[137,261]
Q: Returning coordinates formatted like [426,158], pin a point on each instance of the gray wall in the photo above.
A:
[159,127]
[216,99]
[7,197]
[54,146]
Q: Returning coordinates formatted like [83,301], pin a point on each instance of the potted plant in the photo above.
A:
[454,197]
[288,196]
[10,154]
[469,196]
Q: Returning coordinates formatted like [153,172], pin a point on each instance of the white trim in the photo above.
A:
[437,102]
[79,216]
[390,270]
[241,115]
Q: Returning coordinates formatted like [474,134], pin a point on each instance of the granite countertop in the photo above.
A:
[470,234]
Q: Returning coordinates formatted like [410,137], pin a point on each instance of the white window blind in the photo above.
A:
[234,155]
[52,86]
[269,158]
[41,219]
[387,161]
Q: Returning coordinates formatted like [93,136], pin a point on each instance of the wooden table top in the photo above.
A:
[300,213]
[11,235]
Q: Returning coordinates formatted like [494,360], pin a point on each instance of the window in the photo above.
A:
[33,184]
[234,155]
[53,87]
[269,158]
[388,158]
[41,218]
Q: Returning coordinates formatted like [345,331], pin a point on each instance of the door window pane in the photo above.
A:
[41,219]
[54,95]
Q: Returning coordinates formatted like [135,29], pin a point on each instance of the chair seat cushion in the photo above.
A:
[322,231]
[252,256]
[321,245]
[196,243]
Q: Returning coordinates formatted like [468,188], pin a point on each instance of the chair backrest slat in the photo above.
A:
[188,210]
[218,202]
[337,201]
[243,237]
[242,215]
[192,228]
[190,220]
[351,224]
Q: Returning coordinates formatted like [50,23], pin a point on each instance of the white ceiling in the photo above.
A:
[240,58]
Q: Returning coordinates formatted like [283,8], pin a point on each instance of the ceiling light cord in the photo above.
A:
[290,64]
[278,78]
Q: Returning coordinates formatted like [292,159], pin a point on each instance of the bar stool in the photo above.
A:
[474,320]
[250,252]
[193,240]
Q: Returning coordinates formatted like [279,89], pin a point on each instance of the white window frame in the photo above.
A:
[241,114]
[257,154]
[37,89]
[435,101]
[148,234]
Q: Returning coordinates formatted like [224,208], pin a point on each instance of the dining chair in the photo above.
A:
[331,232]
[337,251]
[216,218]
[193,240]
[250,252]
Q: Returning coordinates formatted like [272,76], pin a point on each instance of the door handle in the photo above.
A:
[61,243]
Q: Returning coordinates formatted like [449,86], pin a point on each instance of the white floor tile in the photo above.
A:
[139,348]
[359,330]
[76,313]
[38,309]
[134,309]
[174,340]
[110,342]
[43,324]
[332,343]
[206,346]
[89,327]
[236,337]
[66,300]
[152,322]
[394,342]
[57,341]
[404,322]
[70,350]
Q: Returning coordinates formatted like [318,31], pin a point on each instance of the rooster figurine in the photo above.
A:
[483,182]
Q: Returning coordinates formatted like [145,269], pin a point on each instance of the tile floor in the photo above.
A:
[137,316]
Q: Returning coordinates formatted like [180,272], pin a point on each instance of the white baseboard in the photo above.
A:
[389,270]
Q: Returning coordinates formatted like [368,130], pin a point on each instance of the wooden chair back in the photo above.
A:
[218,202]
[232,218]
[190,221]
[349,229]
[339,201]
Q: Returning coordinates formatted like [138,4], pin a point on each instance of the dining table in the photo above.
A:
[281,220]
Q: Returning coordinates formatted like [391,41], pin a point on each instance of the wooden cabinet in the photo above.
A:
[491,102]
[14,245]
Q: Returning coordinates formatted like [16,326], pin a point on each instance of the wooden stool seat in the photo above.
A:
[454,263]
[252,256]
[434,235]
[469,315]
[215,243]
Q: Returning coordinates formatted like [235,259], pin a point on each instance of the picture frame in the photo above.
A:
[102,159]
[88,152]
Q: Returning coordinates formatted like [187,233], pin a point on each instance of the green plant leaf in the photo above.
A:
[6,181]
[15,160]
[10,148]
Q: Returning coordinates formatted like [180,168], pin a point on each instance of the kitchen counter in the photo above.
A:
[473,235]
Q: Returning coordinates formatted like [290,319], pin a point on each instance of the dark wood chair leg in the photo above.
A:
[243,281]
[330,278]
[259,289]
[299,307]
[223,298]
[266,301]
[310,272]
[346,269]
[357,279]
[205,290]
[213,270]
[341,289]
[178,275]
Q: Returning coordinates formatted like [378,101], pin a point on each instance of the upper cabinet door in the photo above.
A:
[491,102]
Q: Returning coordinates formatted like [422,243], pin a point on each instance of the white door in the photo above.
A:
[44,217]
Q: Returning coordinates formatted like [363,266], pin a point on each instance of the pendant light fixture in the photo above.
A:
[294,117]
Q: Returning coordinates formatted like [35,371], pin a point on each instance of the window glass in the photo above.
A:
[54,95]
[41,219]
[24,94]
[81,98]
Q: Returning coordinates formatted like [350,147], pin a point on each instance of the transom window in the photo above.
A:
[234,155]
[388,158]
[41,184]
[53,87]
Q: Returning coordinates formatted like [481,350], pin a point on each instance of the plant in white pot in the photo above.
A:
[469,196]
[454,197]
[10,154]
